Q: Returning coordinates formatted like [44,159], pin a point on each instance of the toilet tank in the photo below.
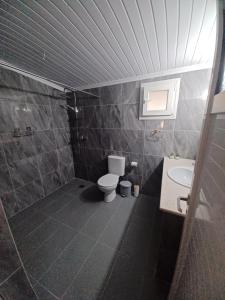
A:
[116,165]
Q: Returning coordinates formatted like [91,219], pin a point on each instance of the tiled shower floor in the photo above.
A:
[74,246]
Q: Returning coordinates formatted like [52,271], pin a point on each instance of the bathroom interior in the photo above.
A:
[112,150]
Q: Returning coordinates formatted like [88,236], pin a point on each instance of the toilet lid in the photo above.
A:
[108,180]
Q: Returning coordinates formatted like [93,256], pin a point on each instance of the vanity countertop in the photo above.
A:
[170,190]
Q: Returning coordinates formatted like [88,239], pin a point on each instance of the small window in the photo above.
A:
[159,99]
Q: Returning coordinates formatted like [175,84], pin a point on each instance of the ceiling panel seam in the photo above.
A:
[199,34]
[134,56]
[178,31]
[75,48]
[212,30]
[145,35]
[39,60]
[80,66]
[189,30]
[125,25]
[150,2]
[37,68]
[56,53]
[164,1]
[115,40]
[84,36]
[139,47]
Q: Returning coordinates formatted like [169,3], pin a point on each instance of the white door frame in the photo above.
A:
[189,220]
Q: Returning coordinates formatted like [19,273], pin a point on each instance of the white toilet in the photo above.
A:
[108,183]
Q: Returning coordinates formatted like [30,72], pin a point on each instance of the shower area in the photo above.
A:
[64,241]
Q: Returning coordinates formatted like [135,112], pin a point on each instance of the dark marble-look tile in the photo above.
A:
[43,293]
[132,141]
[131,92]
[97,223]
[17,148]
[10,204]
[67,172]
[90,280]
[87,99]
[116,228]
[48,162]
[28,225]
[93,137]
[80,216]
[130,118]
[194,84]
[13,115]
[159,144]
[111,94]
[111,139]
[10,79]
[60,200]
[190,114]
[62,272]
[44,257]
[90,156]
[36,238]
[9,260]
[44,141]
[2,155]
[81,170]
[152,175]
[5,180]
[151,125]
[29,84]
[17,287]
[37,98]
[39,117]
[29,194]
[62,137]
[92,117]
[112,116]
[60,118]
[24,171]
[186,143]
[51,182]
[96,170]
[69,209]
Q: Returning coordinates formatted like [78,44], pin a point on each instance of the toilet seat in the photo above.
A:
[108,180]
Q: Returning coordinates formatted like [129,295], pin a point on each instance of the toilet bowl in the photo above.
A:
[108,183]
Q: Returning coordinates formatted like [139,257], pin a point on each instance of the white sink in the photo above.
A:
[181,175]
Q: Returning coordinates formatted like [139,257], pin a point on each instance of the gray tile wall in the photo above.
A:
[203,276]
[13,281]
[31,167]
[110,125]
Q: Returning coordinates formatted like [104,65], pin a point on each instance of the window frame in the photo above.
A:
[172,86]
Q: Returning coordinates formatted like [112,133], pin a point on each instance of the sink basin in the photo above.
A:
[181,175]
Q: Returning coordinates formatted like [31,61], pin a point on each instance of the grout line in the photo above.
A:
[7,278]
[88,256]
[51,293]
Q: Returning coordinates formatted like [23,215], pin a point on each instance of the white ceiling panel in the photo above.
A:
[84,43]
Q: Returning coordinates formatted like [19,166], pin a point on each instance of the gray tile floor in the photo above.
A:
[75,246]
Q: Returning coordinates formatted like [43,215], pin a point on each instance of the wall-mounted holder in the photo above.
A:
[18,133]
